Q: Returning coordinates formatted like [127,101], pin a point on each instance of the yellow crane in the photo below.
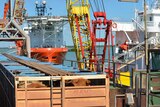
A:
[86,39]
[79,20]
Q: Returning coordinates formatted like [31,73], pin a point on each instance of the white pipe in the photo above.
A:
[139,25]
[130,41]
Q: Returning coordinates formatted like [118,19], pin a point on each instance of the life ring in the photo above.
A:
[114,25]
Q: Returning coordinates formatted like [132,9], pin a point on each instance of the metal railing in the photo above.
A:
[138,24]
[136,52]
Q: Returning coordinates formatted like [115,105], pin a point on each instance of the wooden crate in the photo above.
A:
[94,95]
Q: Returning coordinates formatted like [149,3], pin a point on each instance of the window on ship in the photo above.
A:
[141,18]
[150,18]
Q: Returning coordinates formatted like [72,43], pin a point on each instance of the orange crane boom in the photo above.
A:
[6,8]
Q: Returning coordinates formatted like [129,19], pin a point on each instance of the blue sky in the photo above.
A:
[114,10]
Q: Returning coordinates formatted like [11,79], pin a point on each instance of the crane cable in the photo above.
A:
[103,6]
[91,6]
[97,3]
[99,6]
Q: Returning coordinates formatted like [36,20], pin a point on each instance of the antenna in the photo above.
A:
[41,8]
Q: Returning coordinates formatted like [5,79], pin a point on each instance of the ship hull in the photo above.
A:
[55,55]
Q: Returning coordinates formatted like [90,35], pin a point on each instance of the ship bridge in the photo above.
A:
[46,31]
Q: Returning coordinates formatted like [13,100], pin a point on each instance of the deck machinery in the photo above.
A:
[85,35]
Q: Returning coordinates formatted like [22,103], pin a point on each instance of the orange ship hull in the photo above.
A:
[55,55]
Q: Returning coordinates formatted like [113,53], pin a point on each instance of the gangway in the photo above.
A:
[130,56]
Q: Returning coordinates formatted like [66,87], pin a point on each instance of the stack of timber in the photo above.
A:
[23,84]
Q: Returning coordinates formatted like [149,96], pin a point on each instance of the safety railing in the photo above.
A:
[136,52]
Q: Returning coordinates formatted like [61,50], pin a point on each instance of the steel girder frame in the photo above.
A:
[79,19]
[101,23]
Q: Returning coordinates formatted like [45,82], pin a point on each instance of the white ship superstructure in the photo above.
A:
[46,31]
[46,35]
[128,29]
[133,32]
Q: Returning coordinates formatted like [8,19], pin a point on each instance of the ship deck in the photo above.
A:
[25,81]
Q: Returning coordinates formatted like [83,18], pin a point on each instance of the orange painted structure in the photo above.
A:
[55,55]
[4,21]
[6,8]
[25,82]
[63,96]
[124,46]
[25,90]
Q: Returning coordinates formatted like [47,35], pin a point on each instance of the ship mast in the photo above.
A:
[41,8]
